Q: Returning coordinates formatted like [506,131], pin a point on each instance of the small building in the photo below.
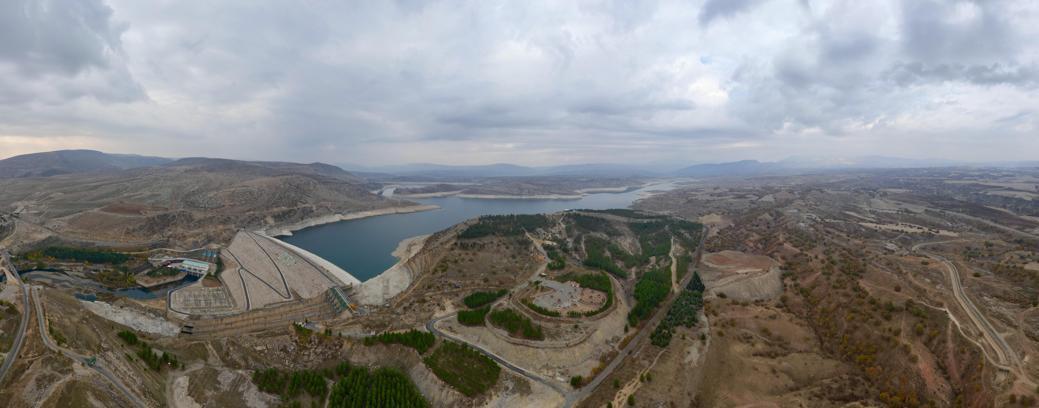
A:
[193,267]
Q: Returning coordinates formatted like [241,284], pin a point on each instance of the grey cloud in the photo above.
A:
[956,31]
[319,80]
[905,74]
[849,48]
[63,36]
[62,50]
[714,9]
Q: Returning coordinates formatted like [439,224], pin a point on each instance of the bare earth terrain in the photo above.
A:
[890,288]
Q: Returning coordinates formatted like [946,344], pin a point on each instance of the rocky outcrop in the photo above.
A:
[6,226]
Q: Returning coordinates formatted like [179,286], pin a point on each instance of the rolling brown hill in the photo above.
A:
[181,203]
[59,162]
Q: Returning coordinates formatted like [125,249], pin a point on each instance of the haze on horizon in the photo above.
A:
[531,83]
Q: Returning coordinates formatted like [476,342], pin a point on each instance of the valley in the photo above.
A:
[818,290]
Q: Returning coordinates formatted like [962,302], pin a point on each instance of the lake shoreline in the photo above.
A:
[370,248]
[287,230]
[397,278]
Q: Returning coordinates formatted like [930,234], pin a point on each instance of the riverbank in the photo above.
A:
[595,190]
[428,195]
[395,280]
[460,194]
[523,197]
[287,230]
[579,194]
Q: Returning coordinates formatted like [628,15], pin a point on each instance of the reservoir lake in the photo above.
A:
[364,247]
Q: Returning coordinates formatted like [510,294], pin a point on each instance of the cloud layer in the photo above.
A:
[526,82]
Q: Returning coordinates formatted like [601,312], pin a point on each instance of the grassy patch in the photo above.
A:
[302,333]
[56,335]
[516,324]
[682,266]
[463,368]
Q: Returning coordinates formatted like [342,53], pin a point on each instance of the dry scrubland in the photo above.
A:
[874,308]
[827,290]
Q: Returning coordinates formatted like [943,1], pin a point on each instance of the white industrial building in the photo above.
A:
[193,267]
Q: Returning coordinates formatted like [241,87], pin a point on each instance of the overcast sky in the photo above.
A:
[529,82]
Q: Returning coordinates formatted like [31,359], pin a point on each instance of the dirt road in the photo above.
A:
[85,360]
[19,338]
[1006,357]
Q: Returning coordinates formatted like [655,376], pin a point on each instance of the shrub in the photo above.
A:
[682,313]
[155,361]
[418,340]
[354,387]
[385,387]
[504,225]
[269,380]
[84,255]
[474,317]
[128,337]
[516,324]
[652,288]
[653,238]
[596,257]
[557,261]
[479,299]
[696,284]
[539,309]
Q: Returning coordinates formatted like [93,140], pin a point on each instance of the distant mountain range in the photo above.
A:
[72,161]
[791,165]
[441,171]
[90,161]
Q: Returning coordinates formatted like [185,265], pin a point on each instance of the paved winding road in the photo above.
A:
[44,334]
[19,338]
[432,327]
[1006,357]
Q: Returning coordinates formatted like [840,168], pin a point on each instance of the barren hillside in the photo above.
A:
[182,203]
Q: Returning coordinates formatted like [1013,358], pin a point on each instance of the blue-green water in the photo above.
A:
[364,247]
